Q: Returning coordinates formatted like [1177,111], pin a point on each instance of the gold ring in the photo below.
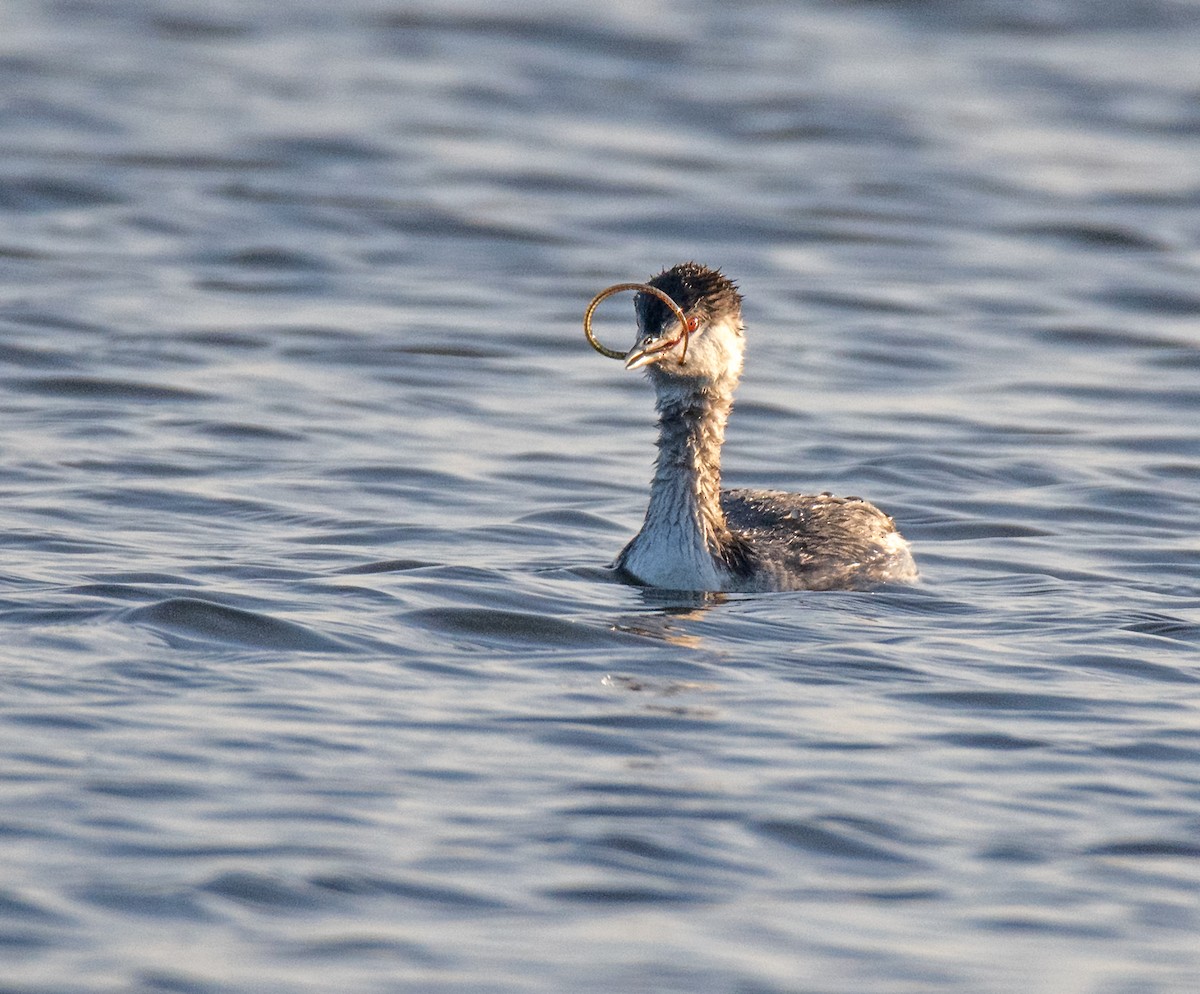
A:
[642,288]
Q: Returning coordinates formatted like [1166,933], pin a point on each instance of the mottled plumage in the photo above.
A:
[698,537]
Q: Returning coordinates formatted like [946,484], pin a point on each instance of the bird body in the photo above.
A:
[697,536]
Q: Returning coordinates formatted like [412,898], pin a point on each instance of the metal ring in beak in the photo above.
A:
[641,288]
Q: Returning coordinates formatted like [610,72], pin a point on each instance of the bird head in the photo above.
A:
[709,347]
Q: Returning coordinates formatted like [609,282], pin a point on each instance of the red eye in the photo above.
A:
[693,323]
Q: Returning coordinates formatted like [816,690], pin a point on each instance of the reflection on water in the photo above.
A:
[665,624]
[312,653]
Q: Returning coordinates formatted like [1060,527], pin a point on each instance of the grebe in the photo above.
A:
[697,536]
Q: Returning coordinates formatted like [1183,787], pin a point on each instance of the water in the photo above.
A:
[314,677]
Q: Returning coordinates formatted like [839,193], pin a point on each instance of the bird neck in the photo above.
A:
[687,477]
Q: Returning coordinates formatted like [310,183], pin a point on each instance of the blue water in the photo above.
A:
[313,676]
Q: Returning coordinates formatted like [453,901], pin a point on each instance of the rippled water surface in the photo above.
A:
[314,677]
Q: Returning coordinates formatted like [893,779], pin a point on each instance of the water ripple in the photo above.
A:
[311,652]
[186,620]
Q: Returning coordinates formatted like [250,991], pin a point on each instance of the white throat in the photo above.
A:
[682,538]
[674,549]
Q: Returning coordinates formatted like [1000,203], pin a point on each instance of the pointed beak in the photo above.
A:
[641,354]
[650,350]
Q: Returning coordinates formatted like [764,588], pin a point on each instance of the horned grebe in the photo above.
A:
[697,536]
